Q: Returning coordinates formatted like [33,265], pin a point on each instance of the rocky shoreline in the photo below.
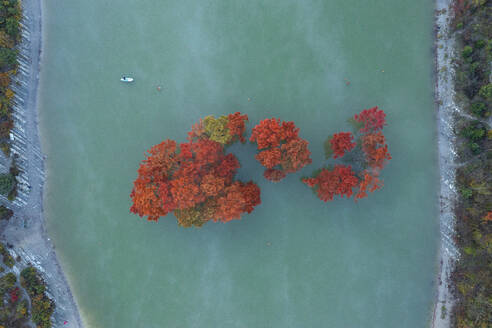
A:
[446,108]
[25,232]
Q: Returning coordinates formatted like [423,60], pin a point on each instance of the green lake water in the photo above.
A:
[295,261]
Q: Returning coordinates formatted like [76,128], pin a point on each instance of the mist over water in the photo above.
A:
[337,264]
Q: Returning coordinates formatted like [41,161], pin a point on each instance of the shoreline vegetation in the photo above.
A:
[463,95]
[472,275]
[23,298]
[18,307]
[32,283]
[10,37]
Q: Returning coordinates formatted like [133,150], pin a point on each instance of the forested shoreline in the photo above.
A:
[10,36]
[23,298]
[472,278]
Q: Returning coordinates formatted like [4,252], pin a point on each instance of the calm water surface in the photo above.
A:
[339,264]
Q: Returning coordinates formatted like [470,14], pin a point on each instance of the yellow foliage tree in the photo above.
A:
[9,94]
[5,40]
[4,79]
[216,129]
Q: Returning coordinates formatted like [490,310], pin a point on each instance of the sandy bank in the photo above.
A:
[26,230]
[446,107]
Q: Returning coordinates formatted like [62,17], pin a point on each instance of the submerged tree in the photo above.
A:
[371,155]
[195,180]
[339,144]
[281,150]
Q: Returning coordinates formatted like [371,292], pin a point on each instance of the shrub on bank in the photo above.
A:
[479,109]
[7,183]
[5,213]
[7,282]
[467,51]
[13,309]
[8,260]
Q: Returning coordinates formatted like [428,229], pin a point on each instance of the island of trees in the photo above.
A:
[196,180]
[369,154]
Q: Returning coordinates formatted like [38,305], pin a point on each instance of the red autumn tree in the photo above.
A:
[341,143]
[281,150]
[328,183]
[151,192]
[251,194]
[374,119]
[270,133]
[195,181]
[238,198]
[236,125]
[197,131]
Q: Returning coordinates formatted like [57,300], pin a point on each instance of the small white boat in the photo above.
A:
[126,79]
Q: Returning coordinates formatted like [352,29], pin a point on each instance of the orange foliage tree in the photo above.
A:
[370,148]
[281,150]
[328,183]
[195,180]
